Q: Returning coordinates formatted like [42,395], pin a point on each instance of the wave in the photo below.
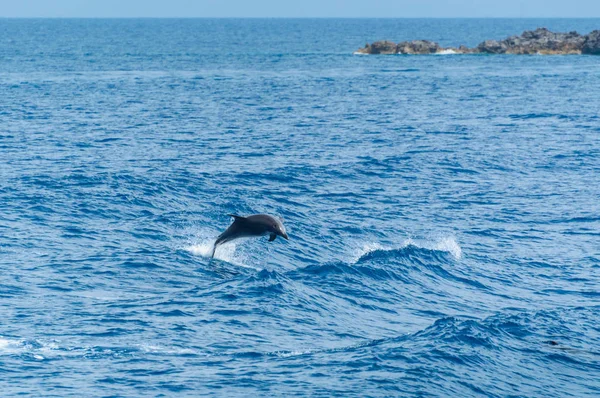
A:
[543,332]
[412,262]
[376,250]
[541,115]
[535,334]
[373,259]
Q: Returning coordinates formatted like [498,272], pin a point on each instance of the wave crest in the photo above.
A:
[375,250]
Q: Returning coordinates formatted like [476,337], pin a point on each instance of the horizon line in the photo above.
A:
[282,17]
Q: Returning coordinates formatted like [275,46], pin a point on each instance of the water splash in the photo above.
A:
[226,252]
[204,249]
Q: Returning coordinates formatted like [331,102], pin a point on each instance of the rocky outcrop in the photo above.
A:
[382,47]
[539,41]
[591,44]
[491,47]
[405,47]
[418,47]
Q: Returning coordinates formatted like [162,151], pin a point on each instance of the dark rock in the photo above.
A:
[491,47]
[539,41]
[466,50]
[592,43]
[418,47]
[383,47]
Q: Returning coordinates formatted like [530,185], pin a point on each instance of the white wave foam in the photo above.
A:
[449,245]
[158,349]
[9,346]
[448,51]
[446,244]
[359,53]
[20,347]
[365,249]
[288,354]
[40,349]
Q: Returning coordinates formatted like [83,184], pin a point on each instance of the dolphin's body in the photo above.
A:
[255,225]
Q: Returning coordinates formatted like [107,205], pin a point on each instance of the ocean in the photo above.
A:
[443,210]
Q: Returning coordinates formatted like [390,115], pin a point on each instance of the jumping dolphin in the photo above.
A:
[255,225]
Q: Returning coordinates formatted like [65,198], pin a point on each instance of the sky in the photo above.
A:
[300,8]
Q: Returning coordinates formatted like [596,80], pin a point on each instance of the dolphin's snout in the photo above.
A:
[284,236]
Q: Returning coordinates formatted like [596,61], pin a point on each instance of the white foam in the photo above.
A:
[446,244]
[449,245]
[447,51]
[19,347]
[158,349]
[8,346]
[288,354]
[42,349]
[359,53]
[365,249]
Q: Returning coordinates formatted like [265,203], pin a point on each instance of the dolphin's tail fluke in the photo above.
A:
[213,250]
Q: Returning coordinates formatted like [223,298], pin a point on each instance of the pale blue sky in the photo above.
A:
[301,8]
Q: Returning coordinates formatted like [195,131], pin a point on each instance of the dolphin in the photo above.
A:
[255,225]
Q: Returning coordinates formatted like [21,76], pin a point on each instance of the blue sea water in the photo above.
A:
[443,211]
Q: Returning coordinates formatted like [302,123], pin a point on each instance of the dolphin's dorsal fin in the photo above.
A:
[272,237]
[236,216]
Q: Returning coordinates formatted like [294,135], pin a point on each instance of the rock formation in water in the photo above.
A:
[539,41]
[591,45]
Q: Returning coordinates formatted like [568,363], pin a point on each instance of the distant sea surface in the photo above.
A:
[443,210]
